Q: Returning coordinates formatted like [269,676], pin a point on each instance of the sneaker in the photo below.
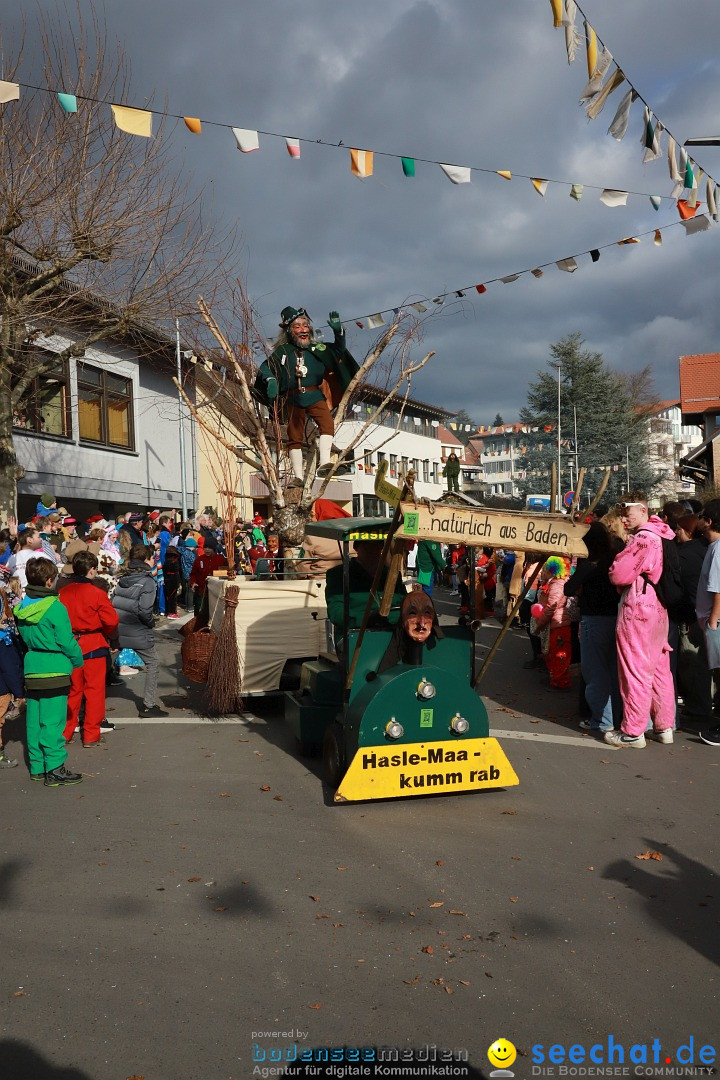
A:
[37,775]
[61,777]
[98,742]
[174,616]
[124,669]
[7,762]
[12,712]
[106,726]
[620,740]
[665,736]
[147,712]
[76,731]
[711,736]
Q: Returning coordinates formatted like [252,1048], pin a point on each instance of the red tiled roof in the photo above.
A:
[700,382]
[446,437]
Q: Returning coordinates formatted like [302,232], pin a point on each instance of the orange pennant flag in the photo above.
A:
[361,162]
[685,210]
[193,124]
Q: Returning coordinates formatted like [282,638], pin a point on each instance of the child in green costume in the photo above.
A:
[44,625]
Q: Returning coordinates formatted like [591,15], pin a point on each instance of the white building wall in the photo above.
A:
[148,475]
[418,449]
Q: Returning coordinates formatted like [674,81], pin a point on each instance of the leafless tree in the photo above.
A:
[233,414]
[99,238]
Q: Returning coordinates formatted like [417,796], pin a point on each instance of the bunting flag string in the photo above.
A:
[138,122]
[692,222]
[596,93]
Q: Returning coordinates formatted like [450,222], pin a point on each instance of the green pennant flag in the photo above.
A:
[689,174]
[408,165]
[68,102]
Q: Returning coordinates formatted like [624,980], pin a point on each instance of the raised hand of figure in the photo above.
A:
[334,321]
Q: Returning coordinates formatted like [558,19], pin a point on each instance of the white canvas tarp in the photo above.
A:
[274,622]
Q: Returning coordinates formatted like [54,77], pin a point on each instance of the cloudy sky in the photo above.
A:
[470,83]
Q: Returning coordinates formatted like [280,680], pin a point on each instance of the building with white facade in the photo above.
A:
[101,432]
[670,438]
[501,451]
[406,434]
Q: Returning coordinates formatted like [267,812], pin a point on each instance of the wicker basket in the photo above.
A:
[196,652]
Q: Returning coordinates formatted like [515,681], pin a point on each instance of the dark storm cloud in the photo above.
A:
[469,83]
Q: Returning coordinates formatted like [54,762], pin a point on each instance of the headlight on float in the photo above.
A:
[426,690]
[459,725]
[394,729]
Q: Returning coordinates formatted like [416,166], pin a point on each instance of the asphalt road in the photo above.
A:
[199,892]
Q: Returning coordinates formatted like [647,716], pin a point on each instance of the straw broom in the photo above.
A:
[224,694]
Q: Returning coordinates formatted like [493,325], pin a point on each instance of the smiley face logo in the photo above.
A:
[501,1054]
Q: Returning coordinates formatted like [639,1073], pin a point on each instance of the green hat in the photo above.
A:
[289,313]
[47,499]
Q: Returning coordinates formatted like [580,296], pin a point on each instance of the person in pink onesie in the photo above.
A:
[646,684]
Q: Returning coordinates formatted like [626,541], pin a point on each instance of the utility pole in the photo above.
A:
[558,497]
[183,477]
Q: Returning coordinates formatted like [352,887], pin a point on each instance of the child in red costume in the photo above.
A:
[93,620]
[555,617]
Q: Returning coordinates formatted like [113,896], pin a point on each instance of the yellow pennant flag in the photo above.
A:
[557,11]
[505,173]
[361,162]
[658,238]
[591,44]
[193,124]
[134,121]
[539,185]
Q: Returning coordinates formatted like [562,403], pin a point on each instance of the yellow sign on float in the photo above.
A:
[394,772]
[383,488]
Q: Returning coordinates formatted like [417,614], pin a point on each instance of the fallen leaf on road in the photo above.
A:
[220,909]
[439,862]
[488,974]
[534,721]
[342,867]
[510,813]
[514,899]
[412,982]
[315,898]
[19,993]
[438,903]
[322,916]
[318,1006]
[650,855]
[277,798]
[502,708]
[411,914]
[223,794]
[428,949]
[591,867]
[194,879]
[438,982]
[466,937]
[454,912]
[463,982]
[265,787]
[338,924]
[449,990]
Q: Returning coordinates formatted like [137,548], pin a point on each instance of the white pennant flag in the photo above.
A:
[374,321]
[597,104]
[419,307]
[509,278]
[594,86]
[293,147]
[569,265]
[9,91]
[697,180]
[457,174]
[697,224]
[619,124]
[246,140]
[675,175]
[611,197]
[573,37]
[710,198]
[540,186]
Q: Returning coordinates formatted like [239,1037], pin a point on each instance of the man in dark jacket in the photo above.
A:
[297,369]
[134,601]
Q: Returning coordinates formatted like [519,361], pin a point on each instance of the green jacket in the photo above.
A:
[429,556]
[360,583]
[44,626]
[452,466]
[320,360]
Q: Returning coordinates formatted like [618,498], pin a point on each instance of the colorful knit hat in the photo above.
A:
[556,566]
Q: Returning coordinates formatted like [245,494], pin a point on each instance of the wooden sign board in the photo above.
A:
[479,527]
